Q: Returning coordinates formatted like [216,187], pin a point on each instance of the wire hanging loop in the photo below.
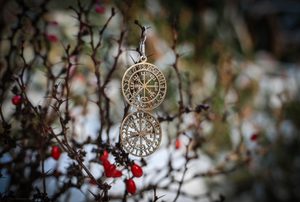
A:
[141,48]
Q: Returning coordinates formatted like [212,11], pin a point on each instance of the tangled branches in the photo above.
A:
[59,77]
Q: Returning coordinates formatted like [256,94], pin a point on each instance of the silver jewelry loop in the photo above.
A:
[142,45]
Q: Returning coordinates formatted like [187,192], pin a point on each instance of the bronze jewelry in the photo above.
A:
[144,87]
[140,134]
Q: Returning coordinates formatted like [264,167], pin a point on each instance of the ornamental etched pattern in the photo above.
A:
[140,134]
[144,86]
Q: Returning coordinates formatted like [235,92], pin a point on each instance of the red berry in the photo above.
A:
[117,173]
[16,100]
[106,164]
[100,9]
[254,137]
[55,153]
[52,38]
[177,144]
[104,156]
[136,170]
[54,23]
[111,171]
[130,186]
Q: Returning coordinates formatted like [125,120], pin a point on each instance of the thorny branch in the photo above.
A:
[51,122]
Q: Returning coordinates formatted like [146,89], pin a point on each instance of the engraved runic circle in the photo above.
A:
[140,134]
[144,86]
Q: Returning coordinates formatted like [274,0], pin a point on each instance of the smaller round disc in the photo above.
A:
[140,134]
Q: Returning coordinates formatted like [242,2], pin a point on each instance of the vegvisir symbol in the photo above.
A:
[140,134]
[144,86]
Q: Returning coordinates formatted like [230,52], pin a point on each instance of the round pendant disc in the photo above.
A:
[144,86]
[140,134]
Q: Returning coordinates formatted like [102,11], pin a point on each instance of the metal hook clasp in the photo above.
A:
[142,44]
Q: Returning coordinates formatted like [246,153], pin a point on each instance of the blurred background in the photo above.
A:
[240,59]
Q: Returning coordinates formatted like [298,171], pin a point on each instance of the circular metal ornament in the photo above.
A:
[140,134]
[144,86]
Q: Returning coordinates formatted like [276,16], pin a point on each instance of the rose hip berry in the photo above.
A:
[16,100]
[254,137]
[111,170]
[177,144]
[100,9]
[130,186]
[104,156]
[55,152]
[52,38]
[136,170]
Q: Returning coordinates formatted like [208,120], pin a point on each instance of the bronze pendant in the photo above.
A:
[140,134]
[144,86]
